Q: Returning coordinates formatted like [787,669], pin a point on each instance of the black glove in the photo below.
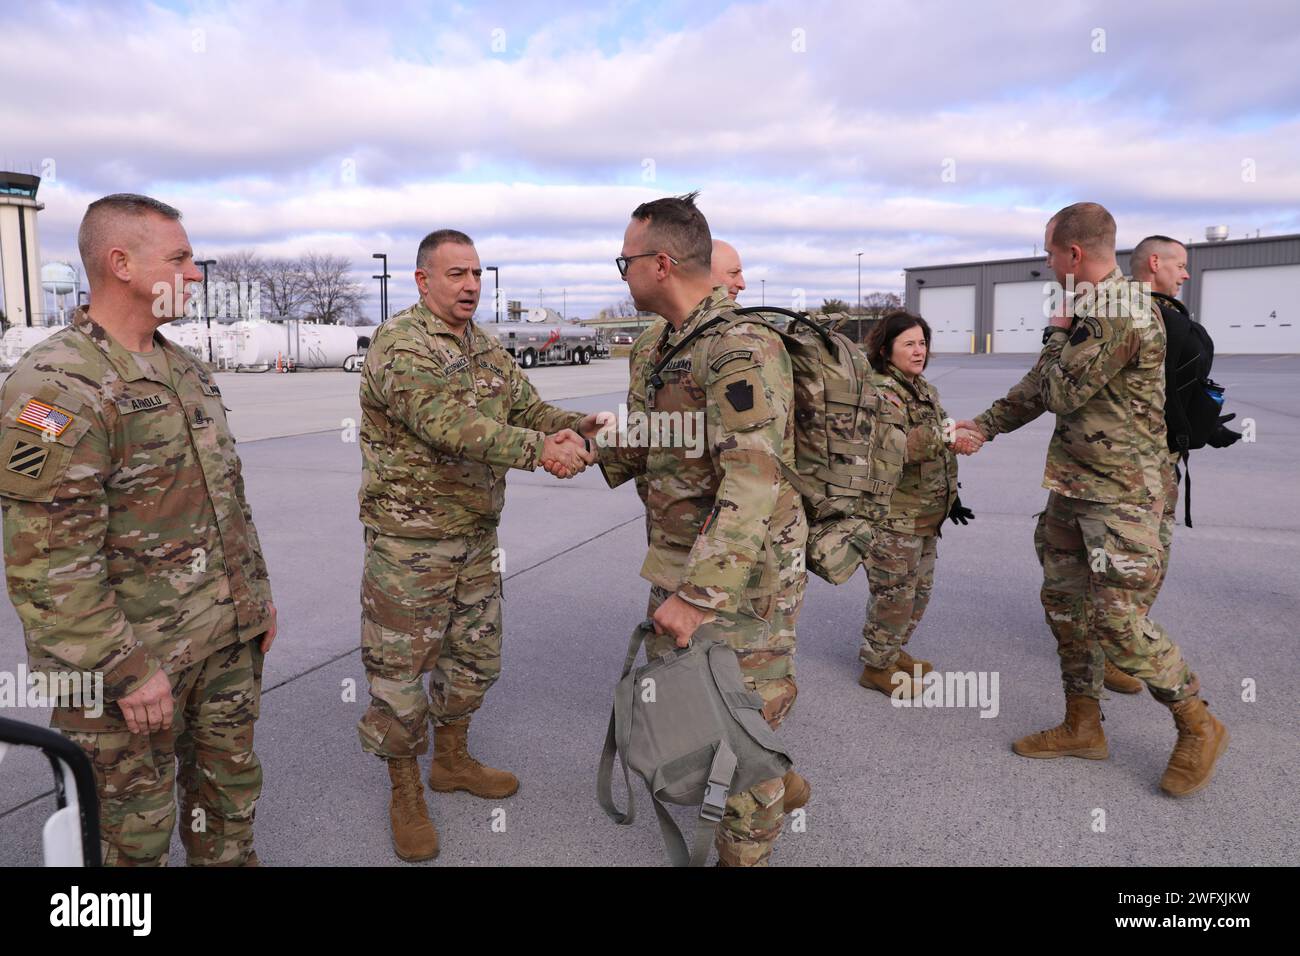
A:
[1224,436]
[959,513]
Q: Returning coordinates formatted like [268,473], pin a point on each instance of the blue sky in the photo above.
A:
[914,132]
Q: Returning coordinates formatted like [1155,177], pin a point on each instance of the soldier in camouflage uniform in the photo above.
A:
[446,413]
[727,531]
[1102,372]
[727,272]
[130,551]
[900,562]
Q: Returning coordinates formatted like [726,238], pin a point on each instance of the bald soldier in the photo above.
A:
[1102,373]
[1161,262]
[721,522]
[446,413]
[130,551]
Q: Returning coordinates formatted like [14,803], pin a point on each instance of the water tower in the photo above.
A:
[20,259]
[60,280]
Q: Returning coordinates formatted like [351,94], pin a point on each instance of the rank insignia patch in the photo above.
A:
[45,418]
[28,459]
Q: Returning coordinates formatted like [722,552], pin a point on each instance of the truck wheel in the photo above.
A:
[575,357]
[528,359]
[586,356]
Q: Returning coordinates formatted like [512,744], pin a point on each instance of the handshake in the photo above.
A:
[568,453]
[967,438]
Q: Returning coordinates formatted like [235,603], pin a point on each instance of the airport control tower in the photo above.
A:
[20,255]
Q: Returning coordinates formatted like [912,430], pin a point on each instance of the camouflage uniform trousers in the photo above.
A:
[900,573]
[762,635]
[429,606]
[1168,519]
[216,703]
[1099,560]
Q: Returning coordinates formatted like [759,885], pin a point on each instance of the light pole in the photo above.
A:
[383,278]
[564,305]
[859,283]
[763,291]
[496,292]
[203,264]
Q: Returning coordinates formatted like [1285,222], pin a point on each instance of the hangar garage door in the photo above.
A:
[951,313]
[1252,310]
[1018,316]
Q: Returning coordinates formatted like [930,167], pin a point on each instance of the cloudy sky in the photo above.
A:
[913,132]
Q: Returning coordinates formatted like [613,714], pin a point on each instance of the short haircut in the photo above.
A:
[1147,247]
[677,227]
[880,340]
[1087,225]
[430,243]
[96,234]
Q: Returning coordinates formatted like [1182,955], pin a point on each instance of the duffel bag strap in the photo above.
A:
[605,774]
[712,808]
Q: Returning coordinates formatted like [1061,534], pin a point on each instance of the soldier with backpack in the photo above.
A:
[727,530]
[1191,416]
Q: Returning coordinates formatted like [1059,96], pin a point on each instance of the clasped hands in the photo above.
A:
[567,452]
[968,438]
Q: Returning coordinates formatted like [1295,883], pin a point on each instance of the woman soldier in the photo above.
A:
[900,569]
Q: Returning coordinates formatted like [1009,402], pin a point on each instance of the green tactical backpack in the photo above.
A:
[686,724]
[850,441]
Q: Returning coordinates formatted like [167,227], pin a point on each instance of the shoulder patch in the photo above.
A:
[735,355]
[44,418]
[741,395]
[28,458]
[743,401]
[1089,327]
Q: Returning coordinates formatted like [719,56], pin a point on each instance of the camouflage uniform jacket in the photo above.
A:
[927,486]
[443,418]
[1021,405]
[640,360]
[1104,378]
[129,544]
[712,516]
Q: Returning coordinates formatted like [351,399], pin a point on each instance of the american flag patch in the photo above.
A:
[45,418]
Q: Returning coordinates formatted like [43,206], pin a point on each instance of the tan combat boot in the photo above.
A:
[1120,682]
[414,836]
[797,791]
[1201,741]
[455,769]
[908,663]
[1079,735]
[881,679]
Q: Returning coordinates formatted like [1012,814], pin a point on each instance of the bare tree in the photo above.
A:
[233,292]
[329,293]
[283,287]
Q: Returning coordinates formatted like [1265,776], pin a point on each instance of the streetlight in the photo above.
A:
[859,283]
[383,278]
[203,264]
[496,291]
[763,291]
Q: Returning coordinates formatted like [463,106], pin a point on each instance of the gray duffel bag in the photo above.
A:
[686,725]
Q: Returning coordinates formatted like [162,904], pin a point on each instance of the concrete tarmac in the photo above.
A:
[891,786]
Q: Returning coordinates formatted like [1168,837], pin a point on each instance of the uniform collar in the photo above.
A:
[717,302]
[1170,301]
[918,387]
[475,338]
[1085,305]
[121,358]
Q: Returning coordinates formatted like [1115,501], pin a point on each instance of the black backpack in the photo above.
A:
[1193,401]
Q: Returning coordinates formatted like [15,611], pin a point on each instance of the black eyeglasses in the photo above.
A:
[622,261]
